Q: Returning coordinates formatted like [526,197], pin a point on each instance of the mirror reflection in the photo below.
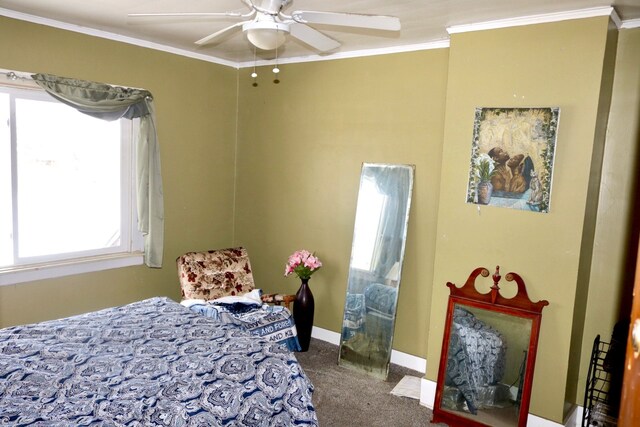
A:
[486,361]
[382,214]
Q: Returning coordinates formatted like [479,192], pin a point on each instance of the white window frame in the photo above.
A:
[128,253]
[373,255]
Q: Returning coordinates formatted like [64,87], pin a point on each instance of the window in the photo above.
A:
[368,224]
[66,193]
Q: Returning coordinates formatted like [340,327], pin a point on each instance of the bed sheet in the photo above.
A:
[149,363]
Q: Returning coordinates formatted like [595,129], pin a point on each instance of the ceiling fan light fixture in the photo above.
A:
[266,35]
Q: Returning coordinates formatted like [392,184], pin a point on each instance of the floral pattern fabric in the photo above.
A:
[150,363]
[214,274]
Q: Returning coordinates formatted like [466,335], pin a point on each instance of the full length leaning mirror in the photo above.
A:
[379,236]
[488,355]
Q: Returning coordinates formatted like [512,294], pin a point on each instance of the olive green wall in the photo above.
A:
[613,266]
[301,145]
[588,284]
[556,64]
[196,131]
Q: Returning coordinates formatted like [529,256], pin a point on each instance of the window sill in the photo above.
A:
[51,270]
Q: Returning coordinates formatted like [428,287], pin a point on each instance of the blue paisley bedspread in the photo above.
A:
[150,363]
[273,323]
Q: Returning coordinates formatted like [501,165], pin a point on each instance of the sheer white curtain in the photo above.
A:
[109,102]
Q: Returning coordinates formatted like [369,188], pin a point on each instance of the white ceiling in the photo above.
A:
[423,22]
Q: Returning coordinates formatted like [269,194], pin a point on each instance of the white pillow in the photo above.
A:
[253,297]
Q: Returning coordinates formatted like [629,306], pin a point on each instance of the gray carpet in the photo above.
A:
[344,397]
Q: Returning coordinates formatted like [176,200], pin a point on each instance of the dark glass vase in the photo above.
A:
[303,308]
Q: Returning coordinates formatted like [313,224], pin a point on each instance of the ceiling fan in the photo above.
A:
[267,26]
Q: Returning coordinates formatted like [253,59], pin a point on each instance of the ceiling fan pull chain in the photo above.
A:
[276,70]
[254,75]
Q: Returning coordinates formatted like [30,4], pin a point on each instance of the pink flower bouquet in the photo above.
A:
[303,263]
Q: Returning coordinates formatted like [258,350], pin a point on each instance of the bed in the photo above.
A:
[149,363]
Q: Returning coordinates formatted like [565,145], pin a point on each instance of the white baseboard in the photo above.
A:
[427,393]
[397,357]
[428,397]
[575,417]
[325,335]
[535,421]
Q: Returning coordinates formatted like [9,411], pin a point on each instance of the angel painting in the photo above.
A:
[512,157]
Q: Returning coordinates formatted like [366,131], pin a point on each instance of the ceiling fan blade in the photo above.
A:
[210,38]
[313,38]
[376,22]
[187,14]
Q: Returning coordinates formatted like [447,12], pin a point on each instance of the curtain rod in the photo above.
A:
[69,81]
[18,79]
[13,76]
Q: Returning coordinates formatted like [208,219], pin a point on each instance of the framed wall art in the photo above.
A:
[512,156]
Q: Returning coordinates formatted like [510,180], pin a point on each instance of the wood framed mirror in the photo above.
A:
[488,354]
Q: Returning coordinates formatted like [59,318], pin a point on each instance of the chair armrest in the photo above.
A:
[279,299]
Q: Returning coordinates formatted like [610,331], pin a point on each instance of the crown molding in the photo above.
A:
[537,19]
[112,36]
[616,18]
[440,44]
[630,23]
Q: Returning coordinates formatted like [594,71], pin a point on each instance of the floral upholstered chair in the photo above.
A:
[219,273]
[219,284]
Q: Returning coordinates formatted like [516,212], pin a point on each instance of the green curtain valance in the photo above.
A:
[109,102]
